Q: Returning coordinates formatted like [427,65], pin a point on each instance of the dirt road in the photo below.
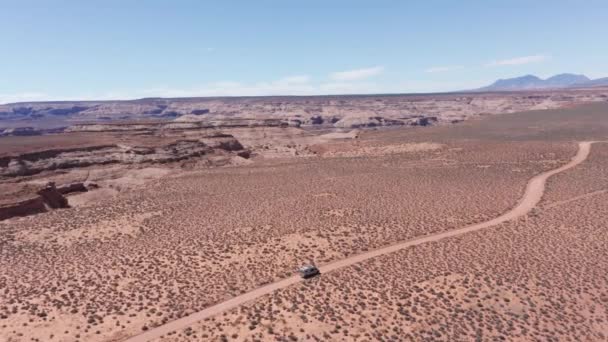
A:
[532,196]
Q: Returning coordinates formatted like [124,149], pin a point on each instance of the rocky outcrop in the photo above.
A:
[90,110]
[21,131]
[33,163]
[71,188]
[186,122]
[317,120]
[52,197]
[379,121]
[246,154]
[57,159]
[112,128]
[23,207]
[424,121]
[36,162]
[229,144]
[21,174]
[309,110]
[45,199]
[28,131]
[361,122]
[234,122]
[200,111]
[36,110]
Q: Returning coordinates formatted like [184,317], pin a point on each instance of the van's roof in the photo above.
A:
[307,267]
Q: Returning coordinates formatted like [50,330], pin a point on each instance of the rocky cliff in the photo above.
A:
[286,110]
[45,199]
[77,169]
[57,159]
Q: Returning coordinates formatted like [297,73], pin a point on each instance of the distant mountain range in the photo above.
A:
[531,82]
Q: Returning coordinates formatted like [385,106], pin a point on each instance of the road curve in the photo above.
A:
[532,196]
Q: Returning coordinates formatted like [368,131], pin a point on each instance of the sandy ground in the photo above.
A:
[532,196]
[537,277]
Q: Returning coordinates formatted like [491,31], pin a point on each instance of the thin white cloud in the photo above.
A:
[333,88]
[444,68]
[297,79]
[357,74]
[291,85]
[23,97]
[43,97]
[285,86]
[430,86]
[518,60]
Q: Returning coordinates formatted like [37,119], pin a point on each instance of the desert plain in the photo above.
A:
[148,223]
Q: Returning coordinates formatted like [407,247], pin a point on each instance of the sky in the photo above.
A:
[124,49]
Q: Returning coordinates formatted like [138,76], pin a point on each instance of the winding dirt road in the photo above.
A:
[532,196]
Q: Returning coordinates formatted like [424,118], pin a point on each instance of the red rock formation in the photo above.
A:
[47,198]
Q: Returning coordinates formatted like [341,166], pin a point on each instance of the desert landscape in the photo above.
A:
[253,171]
[135,141]
[483,226]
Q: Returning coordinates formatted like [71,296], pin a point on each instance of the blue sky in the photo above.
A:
[120,49]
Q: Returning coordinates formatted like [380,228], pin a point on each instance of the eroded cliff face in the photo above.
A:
[49,160]
[287,110]
[59,159]
[45,198]
[27,180]
[113,141]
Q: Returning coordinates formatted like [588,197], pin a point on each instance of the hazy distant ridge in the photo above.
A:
[531,82]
